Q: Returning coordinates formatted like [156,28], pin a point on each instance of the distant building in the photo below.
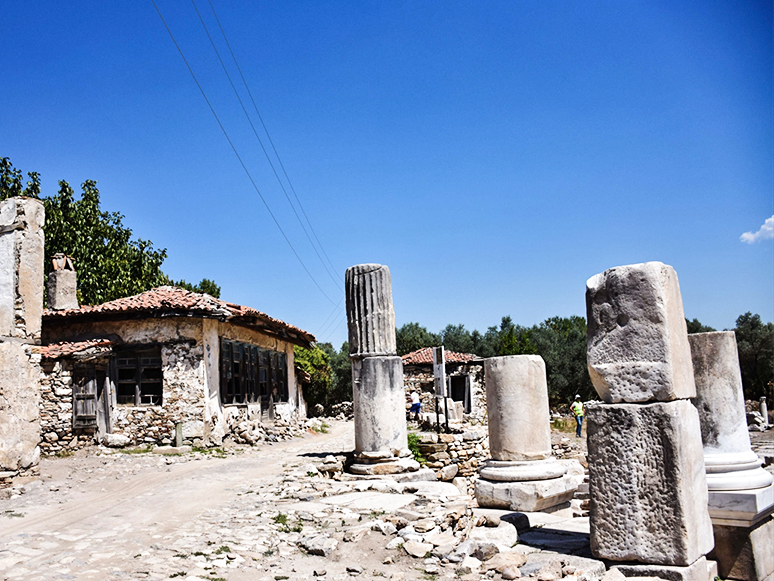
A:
[465,376]
[138,365]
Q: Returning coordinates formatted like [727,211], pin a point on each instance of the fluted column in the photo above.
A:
[379,401]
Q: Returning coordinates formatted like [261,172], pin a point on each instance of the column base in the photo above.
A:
[700,570]
[527,496]
[383,467]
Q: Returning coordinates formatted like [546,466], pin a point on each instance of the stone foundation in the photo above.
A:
[465,451]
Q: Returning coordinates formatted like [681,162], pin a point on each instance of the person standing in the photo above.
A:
[415,405]
[577,411]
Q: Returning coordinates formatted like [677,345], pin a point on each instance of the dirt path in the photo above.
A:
[95,516]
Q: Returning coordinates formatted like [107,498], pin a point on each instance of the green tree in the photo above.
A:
[457,338]
[342,374]
[561,342]
[696,327]
[109,262]
[755,341]
[412,336]
[316,363]
[205,286]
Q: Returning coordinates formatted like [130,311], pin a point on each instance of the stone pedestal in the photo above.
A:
[646,482]
[741,493]
[521,474]
[378,396]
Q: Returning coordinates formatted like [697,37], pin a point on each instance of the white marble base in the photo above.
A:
[394,466]
[530,496]
[700,570]
[500,471]
[740,508]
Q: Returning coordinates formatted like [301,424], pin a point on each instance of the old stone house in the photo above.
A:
[464,374]
[139,365]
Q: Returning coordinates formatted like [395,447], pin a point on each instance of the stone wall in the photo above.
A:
[21,306]
[464,451]
[56,408]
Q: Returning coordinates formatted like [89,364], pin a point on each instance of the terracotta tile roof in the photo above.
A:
[425,357]
[171,300]
[64,349]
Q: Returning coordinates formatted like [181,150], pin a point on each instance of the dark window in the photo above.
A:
[139,379]
[250,374]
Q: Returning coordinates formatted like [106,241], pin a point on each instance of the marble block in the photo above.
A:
[517,408]
[746,554]
[648,490]
[519,471]
[700,570]
[637,337]
[370,313]
[379,407]
[741,508]
[527,496]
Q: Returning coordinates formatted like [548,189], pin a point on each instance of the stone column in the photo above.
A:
[522,475]
[741,493]
[21,309]
[646,466]
[378,397]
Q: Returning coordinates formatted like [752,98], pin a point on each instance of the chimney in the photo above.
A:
[62,283]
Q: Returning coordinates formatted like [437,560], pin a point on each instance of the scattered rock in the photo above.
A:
[417,549]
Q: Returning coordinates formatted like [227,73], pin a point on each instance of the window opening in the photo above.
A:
[140,378]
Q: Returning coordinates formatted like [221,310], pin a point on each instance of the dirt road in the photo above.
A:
[118,516]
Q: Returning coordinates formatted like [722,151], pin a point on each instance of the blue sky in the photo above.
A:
[494,154]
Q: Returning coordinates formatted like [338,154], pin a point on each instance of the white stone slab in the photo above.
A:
[370,500]
[637,337]
[740,507]
[699,570]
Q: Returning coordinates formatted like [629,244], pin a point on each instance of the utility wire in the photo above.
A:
[332,331]
[260,141]
[271,141]
[234,149]
[329,320]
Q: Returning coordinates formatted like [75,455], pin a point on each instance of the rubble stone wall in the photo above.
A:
[465,450]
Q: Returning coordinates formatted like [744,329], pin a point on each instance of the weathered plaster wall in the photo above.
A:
[19,415]
[21,306]
[150,330]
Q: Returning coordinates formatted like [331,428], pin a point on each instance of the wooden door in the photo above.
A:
[85,398]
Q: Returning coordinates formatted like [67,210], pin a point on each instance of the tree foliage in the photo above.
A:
[696,327]
[110,263]
[205,286]
[316,363]
[755,342]
[412,336]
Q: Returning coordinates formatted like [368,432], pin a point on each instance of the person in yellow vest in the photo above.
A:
[577,411]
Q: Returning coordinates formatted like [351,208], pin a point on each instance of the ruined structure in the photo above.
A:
[646,466]
[378,398]
[741,493]
[130,369]
[522,475]
[465,374]
[21,306]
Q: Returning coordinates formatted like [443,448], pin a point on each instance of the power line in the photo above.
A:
[260,141]
[234,149]
[329,320]
[271,141]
